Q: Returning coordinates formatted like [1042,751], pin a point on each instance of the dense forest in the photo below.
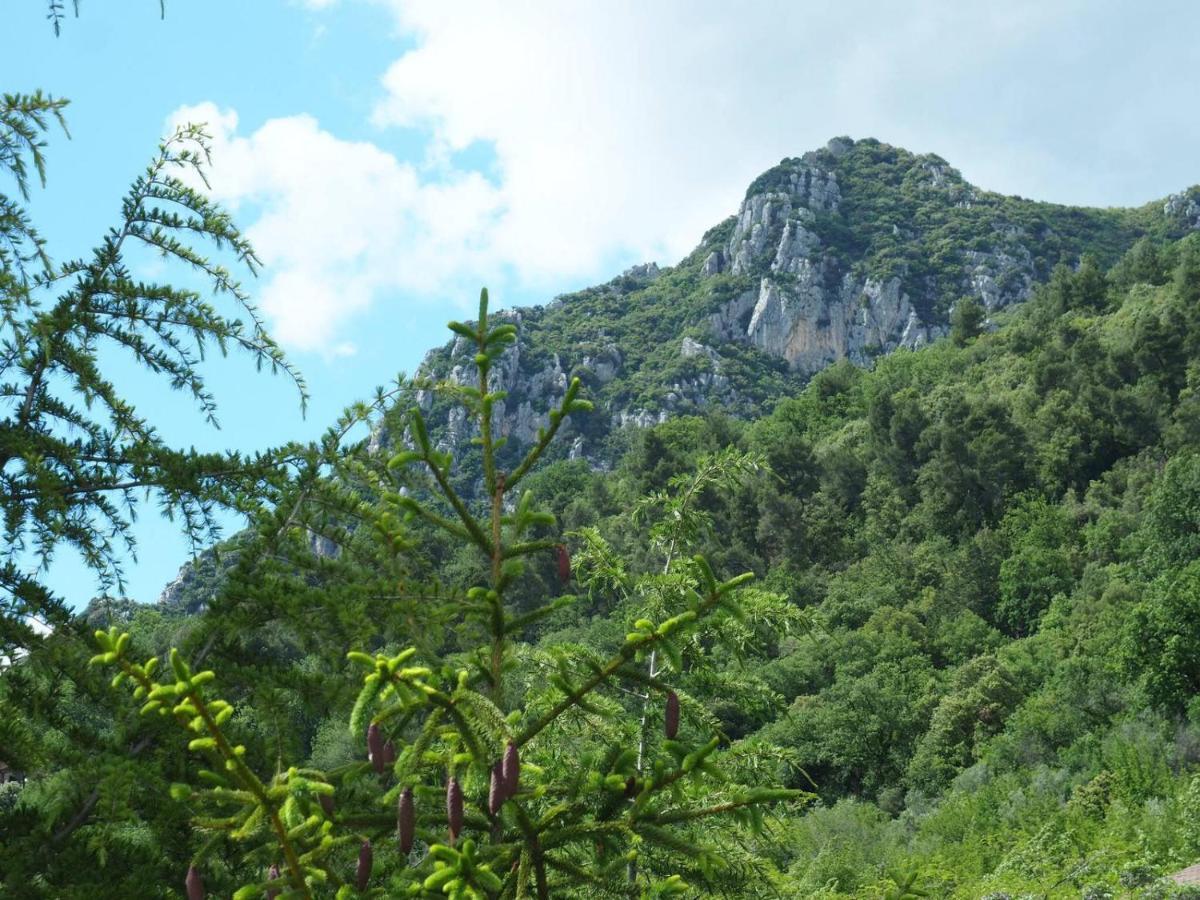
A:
[928,627]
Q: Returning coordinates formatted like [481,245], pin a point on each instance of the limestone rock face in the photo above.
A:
[531,395]
[605,365]
[811,327]
[730,321]
[194,587]
[814,305]
[845,253]
[999,278]
[775,219]
[1184,206]
[642,418]
[714,263]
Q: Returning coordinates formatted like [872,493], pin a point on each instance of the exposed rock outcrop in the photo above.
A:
[1184,206]
[848,252]
[813,305]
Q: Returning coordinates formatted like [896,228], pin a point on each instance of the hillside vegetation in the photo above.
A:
[990,549]
[966,666]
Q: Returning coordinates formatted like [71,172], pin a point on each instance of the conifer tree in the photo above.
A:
[481,774]
[967,320]
[76,457]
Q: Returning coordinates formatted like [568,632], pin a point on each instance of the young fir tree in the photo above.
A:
[485,774]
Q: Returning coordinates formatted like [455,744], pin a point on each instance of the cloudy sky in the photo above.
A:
[389,157]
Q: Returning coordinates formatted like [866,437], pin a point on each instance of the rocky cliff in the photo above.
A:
[848,252]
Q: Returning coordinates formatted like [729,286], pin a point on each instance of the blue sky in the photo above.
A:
[388,157]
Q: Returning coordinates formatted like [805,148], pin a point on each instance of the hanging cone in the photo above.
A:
[406,820]
[563,557]
[671,717]
[496,792]
[194,884]
[362,875]
[375,748]
[454,808]
[511,769]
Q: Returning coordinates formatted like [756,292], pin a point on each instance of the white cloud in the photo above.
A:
[622,130]
[624,127]
[339,222]
[629,128]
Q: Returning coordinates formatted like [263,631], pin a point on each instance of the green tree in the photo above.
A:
[542,791]
[967,320]
[1162,642]
[979,698]
[1169,529]
[1040,563]
[75,454]
[1187,273]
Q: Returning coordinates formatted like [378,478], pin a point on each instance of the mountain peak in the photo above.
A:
[850,251]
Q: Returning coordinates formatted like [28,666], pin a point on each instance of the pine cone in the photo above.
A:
[375,747]
[671,718]
[563,557]
[362,875]
[406,820]
[454,808]
[272,874]
[194,884]
[511,770]
[496,792]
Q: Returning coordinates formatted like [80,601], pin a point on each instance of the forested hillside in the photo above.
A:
[854,556]
[971,639]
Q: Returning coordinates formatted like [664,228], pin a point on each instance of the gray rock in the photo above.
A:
[729,322]
[811,326]
[999,278]
[1184,206]
[796,245]
[692,347]
[714,264]
[644,272]
[763,218]
[640,418]
[604,365]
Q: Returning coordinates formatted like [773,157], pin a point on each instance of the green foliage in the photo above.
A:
[75,455]
[1161,642]
[968,666]
[1040,563]
[584,814]
[967,320]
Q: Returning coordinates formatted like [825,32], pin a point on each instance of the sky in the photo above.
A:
[387,158]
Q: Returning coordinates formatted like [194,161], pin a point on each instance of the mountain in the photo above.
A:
[972,631]
[847,252]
